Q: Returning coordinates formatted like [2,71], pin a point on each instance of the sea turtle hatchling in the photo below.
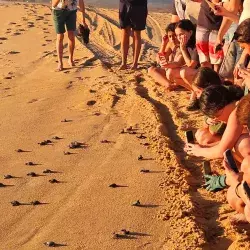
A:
[50,244]
[75,144]
[48,171]
[34,203]
[67,153]
[125,232]
[136,203]
[45,142]
[113,185]
[19,150]
[8,176]
[140,157]
[30,163]
[53,181]
[32,174]
[56,138]
[144,170]
[15,203]
[141,136]
[2,185]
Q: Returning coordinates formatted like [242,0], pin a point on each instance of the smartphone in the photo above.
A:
[190,136]
[207,168]
[218,48]
[230,160]
[246,189]
[211,5]
[162,58]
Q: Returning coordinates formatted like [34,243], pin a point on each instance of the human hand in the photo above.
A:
[193,149]
[210,121]
[215,182]
[244,73]
[219,10]
[164,39]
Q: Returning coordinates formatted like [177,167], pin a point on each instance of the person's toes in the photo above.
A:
[134,67]
[71,63]
[59,68]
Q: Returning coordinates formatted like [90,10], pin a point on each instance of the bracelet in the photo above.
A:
[236,190]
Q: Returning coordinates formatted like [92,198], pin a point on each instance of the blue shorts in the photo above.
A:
[133,16]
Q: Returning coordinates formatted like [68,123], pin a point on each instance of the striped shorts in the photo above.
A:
[205,44]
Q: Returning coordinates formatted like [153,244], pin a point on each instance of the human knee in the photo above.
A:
[243,145]
[245,165]
[151,70]
[71,36]
[60,37]
[169,74]
[201,136]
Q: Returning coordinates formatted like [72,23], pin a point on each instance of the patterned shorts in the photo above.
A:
[205,44]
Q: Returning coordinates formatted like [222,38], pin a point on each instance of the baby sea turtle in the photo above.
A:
[122,131]
[126,232]
[113,185]
[15,203]
[50,244]
[30,163]
[136,203]
[118,236]
[8,176]
[75,144]
[34,203]
[140,157]
[141,136]
[145,144]
[53,181]
[145,171]
[65,120]
[45,142]
[130,128]
[2,185]
[32,174]
[104,141]
[67,153]
[56,138]
[19,150]
[48,171]
[132,132]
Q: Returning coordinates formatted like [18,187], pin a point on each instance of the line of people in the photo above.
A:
[210,58]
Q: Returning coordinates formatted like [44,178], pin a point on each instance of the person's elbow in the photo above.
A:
[192,64]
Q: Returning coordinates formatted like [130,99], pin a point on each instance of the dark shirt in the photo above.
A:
[135,2]
[207,19]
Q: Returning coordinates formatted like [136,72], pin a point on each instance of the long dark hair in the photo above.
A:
[206,77]
[187,25]
[242,34]
[216,97]
[170,27]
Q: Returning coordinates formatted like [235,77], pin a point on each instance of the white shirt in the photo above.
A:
[66,4]
[246,11]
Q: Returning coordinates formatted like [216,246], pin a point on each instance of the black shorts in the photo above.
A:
[133,16]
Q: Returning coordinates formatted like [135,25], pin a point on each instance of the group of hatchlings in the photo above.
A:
[74,145]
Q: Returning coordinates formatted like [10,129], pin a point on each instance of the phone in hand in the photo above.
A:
[207,168]
[162,58]
[230,160]
[246,189]
[211,5]
[190,136]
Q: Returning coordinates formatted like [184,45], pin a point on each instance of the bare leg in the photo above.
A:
[59,49]
[137,48]
[71,47]
[216,67]
[125,46]
[205,138]
[159,75]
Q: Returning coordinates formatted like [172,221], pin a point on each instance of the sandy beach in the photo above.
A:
[92,103]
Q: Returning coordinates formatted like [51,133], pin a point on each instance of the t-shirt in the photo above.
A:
[193,54]
[246,11]
[135,2]
[207,19]
[67,4]
[179,8]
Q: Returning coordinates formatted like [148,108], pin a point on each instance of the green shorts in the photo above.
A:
[64,18]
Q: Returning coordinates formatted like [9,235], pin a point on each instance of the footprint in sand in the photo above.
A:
[91,103]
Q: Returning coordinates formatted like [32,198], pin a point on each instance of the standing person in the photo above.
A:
[64,14]
[132,16]
[208,26]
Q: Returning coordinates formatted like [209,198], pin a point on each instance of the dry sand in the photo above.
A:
[82,212]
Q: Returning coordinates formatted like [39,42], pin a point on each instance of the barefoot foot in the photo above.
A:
[59,68]
[71,63]
[123,67]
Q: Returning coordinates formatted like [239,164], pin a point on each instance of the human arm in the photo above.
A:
[82,10]
[242,61]
[55,3]
[228,140]
[221,11]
